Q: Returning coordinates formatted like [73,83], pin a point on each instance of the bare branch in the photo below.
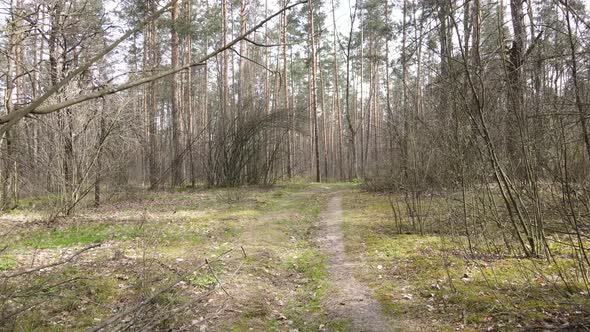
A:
[8,120]
[35,107]
[60,262]
[152,297]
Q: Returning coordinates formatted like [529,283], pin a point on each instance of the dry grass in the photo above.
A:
[432,280]
[151,239]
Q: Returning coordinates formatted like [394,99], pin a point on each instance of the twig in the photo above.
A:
[253,61]
[141,304]
[12,314]
[44,289]
[149,326]
[60,262]
[217,279]
[272,45]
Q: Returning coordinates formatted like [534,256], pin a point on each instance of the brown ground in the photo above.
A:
[296,275]
[347,298]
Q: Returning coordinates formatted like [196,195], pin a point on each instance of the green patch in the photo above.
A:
[78,235]
[171,299]
[339,325]
[204,281]
[309,263]
[7,263]
[42,202]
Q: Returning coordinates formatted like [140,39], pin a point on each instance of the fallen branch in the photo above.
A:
[60,262]
[141,304]
[216,279]
[163,316]
[21,310]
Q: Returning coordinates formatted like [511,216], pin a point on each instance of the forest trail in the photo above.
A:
[349,299]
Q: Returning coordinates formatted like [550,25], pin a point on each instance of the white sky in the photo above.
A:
[342,20]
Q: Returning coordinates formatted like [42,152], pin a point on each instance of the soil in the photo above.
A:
[347,299]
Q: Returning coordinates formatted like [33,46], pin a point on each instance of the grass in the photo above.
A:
[205,281]
[77,235]
[430,280]
[150,238]
[304,310]
[7,263]
[182,232]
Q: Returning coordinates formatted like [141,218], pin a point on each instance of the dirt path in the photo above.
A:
[348,299]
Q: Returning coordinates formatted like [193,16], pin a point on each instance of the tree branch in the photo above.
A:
[35,107]
[254,62]
[12,118]
[60,262]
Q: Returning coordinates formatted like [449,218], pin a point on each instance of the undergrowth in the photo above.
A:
[433,279]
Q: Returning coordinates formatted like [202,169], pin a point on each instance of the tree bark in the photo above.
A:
[176,160]
[312,87]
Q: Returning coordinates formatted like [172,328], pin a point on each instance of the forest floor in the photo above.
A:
[348,297]
[297,257]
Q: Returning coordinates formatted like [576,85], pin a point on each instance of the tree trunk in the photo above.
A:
[176,160]
[336,97]
[312,87]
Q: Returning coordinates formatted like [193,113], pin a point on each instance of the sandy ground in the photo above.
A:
[347,299]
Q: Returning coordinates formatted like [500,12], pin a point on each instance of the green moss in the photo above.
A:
[445,284]
[307,303]
[41,202]
[340,325]
[7,263]
[308,262]
[204,281]
[170,299]
[85,234]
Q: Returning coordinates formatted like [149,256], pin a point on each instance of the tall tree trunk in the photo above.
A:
[188,95]
[361,113]
[286,95]
[350,117]
[324,124]
[207,123]
[580,105]
[405,110]
[176,163]
[99,143]
[336,97]
[8,155]
[390,114]
[515,83]
[151,104]
[242,82]
[225,82]
[313,96]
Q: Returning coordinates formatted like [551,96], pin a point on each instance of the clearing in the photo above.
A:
[296,257]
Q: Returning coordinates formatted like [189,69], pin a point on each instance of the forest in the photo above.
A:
[294,165]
